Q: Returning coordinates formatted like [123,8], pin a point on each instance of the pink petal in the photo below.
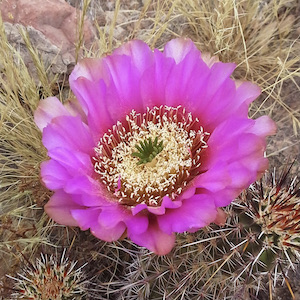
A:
[195,212]
[154,238]
[110,94]
[125,80]
[240,143]
[241,175]
[92,69]
[215,95]
[225,138]
[216,178]
[112,215]
[86,217]
[48,109]
[93,97]
[89,218]
[154,80]
[247,92]
[140,53]
[198,88]
[82,185]
[54,175]
[220,72]
[209,59]
[189,191]
[186,84]
[225,197]
[92,201]
[264,126]
[74,162]
[138,208]
[179,48]
[137,224]
[60,133]
[108,234]
[59,208]
[229,102]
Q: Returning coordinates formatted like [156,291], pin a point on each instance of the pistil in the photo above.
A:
[147,150]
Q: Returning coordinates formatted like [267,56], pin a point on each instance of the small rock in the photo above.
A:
[56,19]
[52,27]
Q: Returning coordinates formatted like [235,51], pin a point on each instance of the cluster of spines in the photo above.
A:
[50,279]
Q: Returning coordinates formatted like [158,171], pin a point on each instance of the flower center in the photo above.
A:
[151,155]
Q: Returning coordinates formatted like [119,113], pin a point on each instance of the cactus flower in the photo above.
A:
[154,144]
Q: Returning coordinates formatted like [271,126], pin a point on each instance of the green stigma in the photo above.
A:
[147,150]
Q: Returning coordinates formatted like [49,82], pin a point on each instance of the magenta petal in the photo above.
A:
[137,224]
[108,234]
[92,201]
[225,134]
[187,82]
[241,175]
[230,102]
[82,185]
[48,109]
[93,97]
[138,208]
[225,197]
[127,95]
[215,179]
[189,192]
[140,53]
[155,239]
[220,72]
[156,76]
[86,217]
[196,212]
[70,133]
[108,96]
[112,215]
[247,92]
[59,208]
[89,218]
[211,94]
[221,104]
[75,109]
[240,143]
[72,161]
[54,175]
